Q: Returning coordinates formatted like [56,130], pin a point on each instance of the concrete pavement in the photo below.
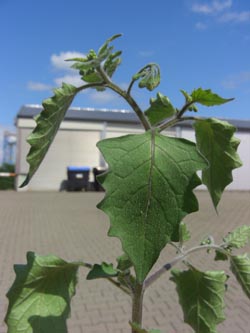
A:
[68,225]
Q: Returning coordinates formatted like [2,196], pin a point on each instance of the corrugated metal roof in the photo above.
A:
[109,115]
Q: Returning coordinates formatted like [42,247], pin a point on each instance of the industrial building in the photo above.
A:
[75,144]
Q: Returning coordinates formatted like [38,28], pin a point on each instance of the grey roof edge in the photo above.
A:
[110,115]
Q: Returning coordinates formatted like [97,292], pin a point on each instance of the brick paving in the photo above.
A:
[69,225]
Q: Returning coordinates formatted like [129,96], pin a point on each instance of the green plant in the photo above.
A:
[149,190]
[7,183]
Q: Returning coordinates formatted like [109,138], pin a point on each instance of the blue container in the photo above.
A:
[78,168]
[78,178]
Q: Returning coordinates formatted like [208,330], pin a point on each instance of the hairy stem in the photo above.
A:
[91,85]
[179,258]
[118,285]
[126,95]
[137,305]
[175,121]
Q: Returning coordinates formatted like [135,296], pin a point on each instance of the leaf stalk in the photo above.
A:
[179,258]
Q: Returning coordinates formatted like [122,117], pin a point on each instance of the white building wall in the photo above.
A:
[75,144]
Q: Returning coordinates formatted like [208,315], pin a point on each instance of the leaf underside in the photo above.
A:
[201,296]
[39,299]
[240,266]
[160,109]
[148,192]
[216,142]
[239,237]
[48,122]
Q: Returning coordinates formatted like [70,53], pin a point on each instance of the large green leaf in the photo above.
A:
[239,237]
[48,123]
[240,266]
[217,144]
[148,192]
[39,299]
[207,97]
[201,296]
[160,109]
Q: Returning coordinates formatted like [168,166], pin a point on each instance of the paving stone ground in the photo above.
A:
[69,225]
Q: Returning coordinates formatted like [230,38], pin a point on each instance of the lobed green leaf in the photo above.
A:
[203,303]
[207,97]
[48,122]
[240,266]
[216,142]
[148,192]
[239,237]
[39,299]
[160,109]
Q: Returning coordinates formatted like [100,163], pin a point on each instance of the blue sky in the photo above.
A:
[195,42]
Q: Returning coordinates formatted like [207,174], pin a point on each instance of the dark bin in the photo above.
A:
[78,178]
[96,172]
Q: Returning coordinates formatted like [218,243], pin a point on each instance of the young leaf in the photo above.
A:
[184,233]
[149,77]
[88,67]
[123,262]
[148,191]
[220,256]
[39,299]
[102,271]
[105,50]
[48,123]
[208,98]
[160,109]
[240,266]
[189,99]
[239,237]
[217,144]
[201,296]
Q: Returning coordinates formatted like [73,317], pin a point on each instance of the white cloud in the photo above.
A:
[38,86]
[200,26]
[74,79]
[236,80]
[237,17]
[213,7]
[101,97]
[58,60]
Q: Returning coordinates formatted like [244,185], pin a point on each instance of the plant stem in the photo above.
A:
[118,285]
[128,98]
[137,305]
[181,257]
[174,121]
